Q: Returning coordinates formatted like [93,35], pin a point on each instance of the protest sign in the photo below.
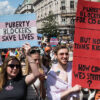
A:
[86,60]
[17,29]
[53,41]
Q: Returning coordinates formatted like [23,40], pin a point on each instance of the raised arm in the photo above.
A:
[34,67]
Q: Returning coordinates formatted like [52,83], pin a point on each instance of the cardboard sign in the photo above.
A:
[88,15]
[86,60]
[87,43]
[86,72]
[18,28]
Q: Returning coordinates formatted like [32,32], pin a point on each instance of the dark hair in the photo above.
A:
[60,47]
[46,59]
[34,51]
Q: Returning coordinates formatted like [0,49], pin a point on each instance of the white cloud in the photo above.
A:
[5,8]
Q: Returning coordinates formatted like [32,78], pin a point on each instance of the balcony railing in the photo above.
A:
[25,8]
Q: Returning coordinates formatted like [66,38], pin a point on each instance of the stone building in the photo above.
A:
[63,10]
[26,7]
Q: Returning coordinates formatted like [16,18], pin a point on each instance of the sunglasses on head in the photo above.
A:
[34,51]
[14,65]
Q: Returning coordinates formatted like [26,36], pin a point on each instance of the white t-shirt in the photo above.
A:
[12,53]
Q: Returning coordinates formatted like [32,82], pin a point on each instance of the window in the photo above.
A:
[71,4]
[50,12]
[63,7]
[45,14]
[63,3]
[63,21]
[72,21]
[49,6]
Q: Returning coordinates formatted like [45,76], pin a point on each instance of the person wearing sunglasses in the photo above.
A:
[34,91]
[59,78]
[13,85]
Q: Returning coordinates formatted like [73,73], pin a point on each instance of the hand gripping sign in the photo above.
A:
[86,61]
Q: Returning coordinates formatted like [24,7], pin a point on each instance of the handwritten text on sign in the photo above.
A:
[88,15]
[18,29]
[18,37]
[86,61]
[87,72]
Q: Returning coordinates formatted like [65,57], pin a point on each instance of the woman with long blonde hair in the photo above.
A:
[13,85]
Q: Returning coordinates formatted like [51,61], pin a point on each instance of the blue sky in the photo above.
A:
[9,6]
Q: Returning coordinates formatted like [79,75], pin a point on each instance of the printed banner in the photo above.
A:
[53,41]
[18,27]
[86,58]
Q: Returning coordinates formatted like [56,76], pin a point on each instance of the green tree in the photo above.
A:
[50,26]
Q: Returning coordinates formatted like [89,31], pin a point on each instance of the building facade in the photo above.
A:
[26,7]
[63,10]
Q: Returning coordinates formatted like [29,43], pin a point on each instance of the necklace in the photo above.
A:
[9,85]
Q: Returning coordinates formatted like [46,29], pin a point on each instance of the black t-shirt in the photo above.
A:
[14,90]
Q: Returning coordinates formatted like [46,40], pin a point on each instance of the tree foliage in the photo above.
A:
[50,26]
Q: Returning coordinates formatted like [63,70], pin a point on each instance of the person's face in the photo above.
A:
[13,68]
[62,56]
[36,58]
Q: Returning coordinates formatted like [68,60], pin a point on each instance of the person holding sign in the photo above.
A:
[13,86]
[59,78]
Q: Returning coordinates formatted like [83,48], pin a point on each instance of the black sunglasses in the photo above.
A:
[14,65]
[34,51]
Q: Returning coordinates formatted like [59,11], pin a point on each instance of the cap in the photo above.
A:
[47,49]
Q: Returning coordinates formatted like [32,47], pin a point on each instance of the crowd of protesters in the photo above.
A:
[40,73]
